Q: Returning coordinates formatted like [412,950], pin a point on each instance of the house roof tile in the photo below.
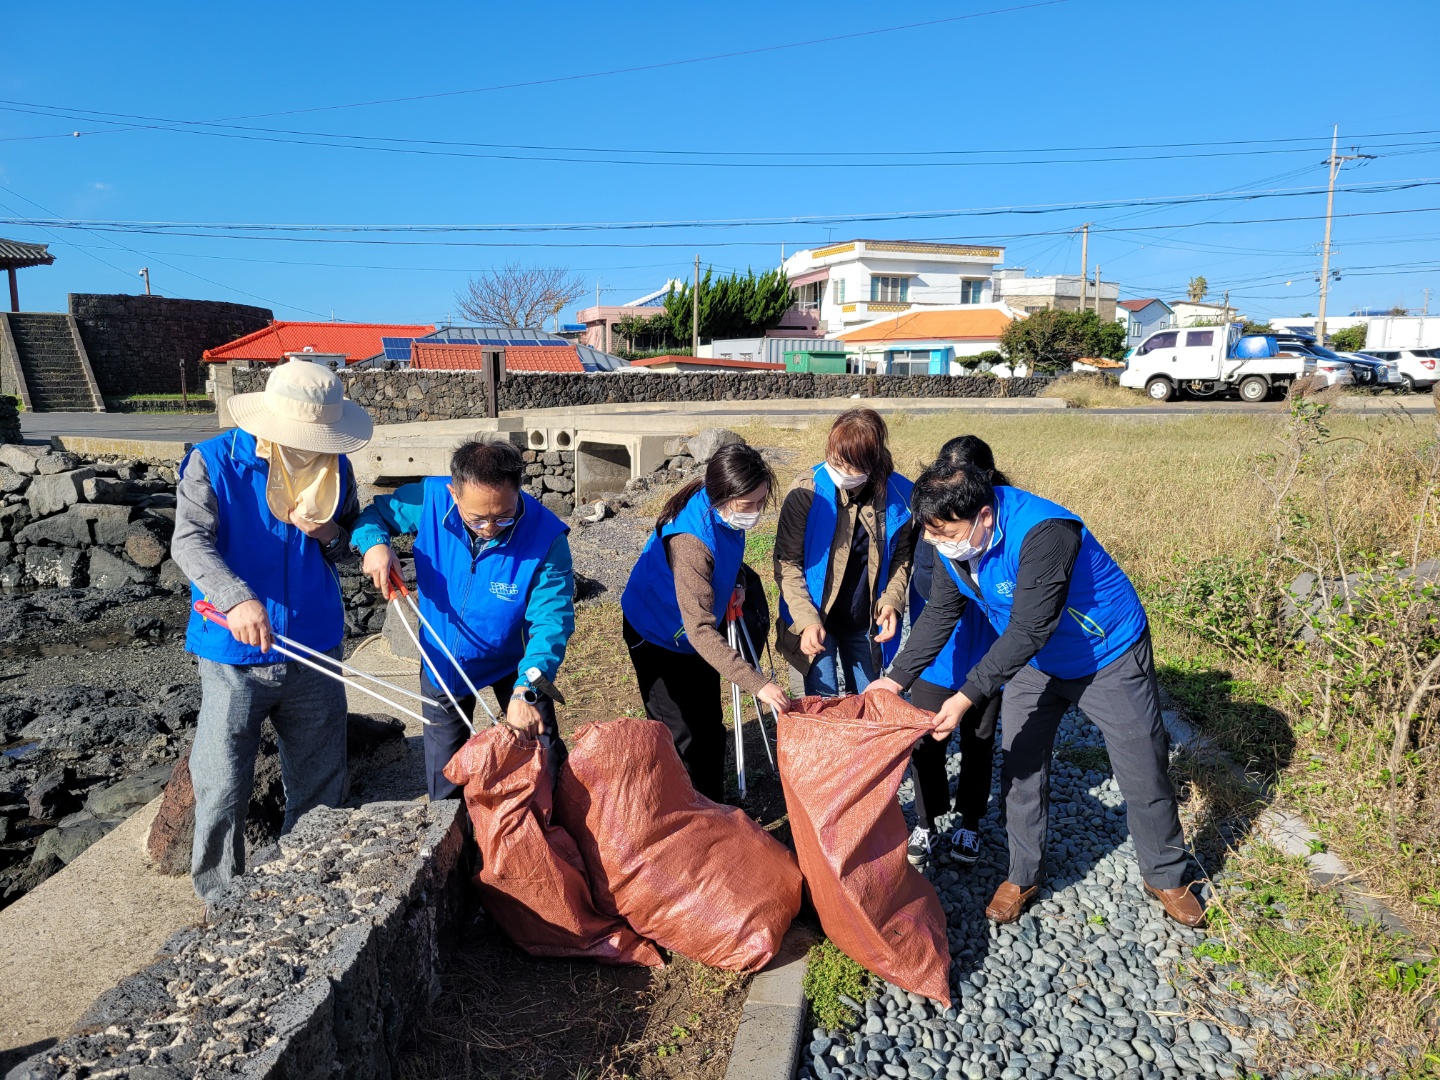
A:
[437,356]
[358,341]
[985,324]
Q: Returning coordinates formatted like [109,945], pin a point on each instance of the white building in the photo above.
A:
[847,285]
[1193,313]
[1057,292]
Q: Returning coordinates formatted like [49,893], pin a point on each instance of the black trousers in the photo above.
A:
[977,750]
[445,733]
[682,691]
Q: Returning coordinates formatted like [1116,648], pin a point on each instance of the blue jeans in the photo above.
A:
[309,713]
[850,651]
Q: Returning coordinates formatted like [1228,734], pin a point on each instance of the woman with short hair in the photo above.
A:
[675,602]
[842,559]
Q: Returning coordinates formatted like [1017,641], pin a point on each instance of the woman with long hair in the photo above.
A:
[675,603]
[930,684]
[842,559]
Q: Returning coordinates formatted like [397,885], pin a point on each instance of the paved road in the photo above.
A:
[164,427]
[193,427]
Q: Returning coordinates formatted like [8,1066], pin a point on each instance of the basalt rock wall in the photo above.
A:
[398,397]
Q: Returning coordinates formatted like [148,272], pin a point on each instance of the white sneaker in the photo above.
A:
[918,850]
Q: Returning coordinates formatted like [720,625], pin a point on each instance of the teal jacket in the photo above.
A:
[550,610]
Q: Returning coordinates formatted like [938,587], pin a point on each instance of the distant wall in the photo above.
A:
[137,344]
[397,397]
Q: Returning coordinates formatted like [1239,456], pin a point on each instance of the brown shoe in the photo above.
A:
[1009,901]
[1180,904]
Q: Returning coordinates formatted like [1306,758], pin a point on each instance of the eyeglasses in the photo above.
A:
[476,524]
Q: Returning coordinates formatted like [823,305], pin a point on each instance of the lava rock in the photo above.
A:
[112,572]
[68,842]
[13,518]
[12,482]
[53,493]
[22,458]
[146,543]
[172,577]
[109,525]
[57,461]
[51,798]
[122,799]
[101,490]
[702,447]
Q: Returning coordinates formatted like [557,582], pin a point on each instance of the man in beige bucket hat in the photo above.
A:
[263,512]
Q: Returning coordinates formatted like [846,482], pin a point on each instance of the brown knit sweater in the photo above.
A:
[692,564]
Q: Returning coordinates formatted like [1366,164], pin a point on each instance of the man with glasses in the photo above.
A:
[495,578]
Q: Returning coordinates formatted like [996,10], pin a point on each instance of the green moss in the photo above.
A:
[829,973]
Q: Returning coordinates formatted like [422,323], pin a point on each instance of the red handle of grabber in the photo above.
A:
[398,581]
[207,610]
[736,610]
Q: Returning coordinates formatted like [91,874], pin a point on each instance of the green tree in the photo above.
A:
[1053,340]
[1256,328]
[730,307]
[1351,339]
[1197,290]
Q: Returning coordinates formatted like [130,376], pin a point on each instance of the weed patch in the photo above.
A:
[831,976]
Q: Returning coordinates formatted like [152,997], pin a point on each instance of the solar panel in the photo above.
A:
[396,348]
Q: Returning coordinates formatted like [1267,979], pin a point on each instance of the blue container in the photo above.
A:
[1256,346]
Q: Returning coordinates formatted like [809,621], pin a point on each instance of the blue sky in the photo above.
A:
[831,128]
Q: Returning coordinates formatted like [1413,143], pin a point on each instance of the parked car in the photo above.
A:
[1419,368]
[1387,375]
[1365,374]
[1333,372]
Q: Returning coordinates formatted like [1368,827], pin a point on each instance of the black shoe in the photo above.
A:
[965,845]
[918,850]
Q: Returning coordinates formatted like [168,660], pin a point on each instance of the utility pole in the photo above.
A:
[1097,290]
[1226,316]
[1084,261]
[695,312]
[1334,161]
[145,273]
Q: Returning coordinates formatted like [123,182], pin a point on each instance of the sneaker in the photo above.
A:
[966,845]
[918,850]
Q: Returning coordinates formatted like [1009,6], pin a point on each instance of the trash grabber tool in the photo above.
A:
[209,611]
[735,704]
[399,583]
[745,629]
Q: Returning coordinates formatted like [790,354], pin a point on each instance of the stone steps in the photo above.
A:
[54,373]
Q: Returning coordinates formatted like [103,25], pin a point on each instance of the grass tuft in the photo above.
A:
[829,973]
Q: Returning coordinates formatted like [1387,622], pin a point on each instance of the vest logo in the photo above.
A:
[1005,588]
[1087,624]
[505,590]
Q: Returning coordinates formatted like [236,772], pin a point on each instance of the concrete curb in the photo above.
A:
[97,446]
[772,1022]
[1290,833]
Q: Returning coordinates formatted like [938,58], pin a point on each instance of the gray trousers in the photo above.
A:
[309,713]
[1123,701]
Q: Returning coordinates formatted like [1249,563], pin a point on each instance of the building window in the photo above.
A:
[910,362]
[837,291]
[972,292]
[889,290]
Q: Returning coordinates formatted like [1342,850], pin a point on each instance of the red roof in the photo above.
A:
[443,356]
[1137,305]
[358,341]
[706,361]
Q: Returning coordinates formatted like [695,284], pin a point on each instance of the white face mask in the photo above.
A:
[957,550]
[740,521]
[845,481]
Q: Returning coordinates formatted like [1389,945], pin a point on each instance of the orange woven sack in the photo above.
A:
[531,879]
[841,763]
[701,879]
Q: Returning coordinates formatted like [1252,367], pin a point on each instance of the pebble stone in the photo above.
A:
[1092,982]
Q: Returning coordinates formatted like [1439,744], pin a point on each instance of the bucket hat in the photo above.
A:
[304,406]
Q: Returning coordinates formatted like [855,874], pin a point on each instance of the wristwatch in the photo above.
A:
[524,692]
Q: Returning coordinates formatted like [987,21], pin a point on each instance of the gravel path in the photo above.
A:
[1093,981]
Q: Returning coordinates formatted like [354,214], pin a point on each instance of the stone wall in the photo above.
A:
[137,344]
[315,964]
[10,420]
[397,397]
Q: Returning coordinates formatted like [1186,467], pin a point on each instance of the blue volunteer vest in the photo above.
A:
[969,642]
[287,571]
[477,603]
[1103,615]
[649,599]
[820,534]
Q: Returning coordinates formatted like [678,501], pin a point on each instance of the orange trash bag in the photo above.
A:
[532,879]
[698,878]
[841,763]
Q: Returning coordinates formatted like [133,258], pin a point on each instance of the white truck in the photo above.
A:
[1210,361]
[1402,332]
